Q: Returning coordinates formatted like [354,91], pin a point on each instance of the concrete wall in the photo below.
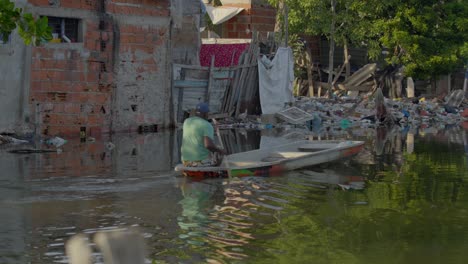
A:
[185,31]
[14,85]
[142,86]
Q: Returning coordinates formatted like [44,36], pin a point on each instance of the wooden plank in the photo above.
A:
[227,92]
[361,75]
[210,80]
[235,85]
[180,98]
[203,68]
[240,85]
[217,94]
[218,116]
[253,83]
[223,74]
[190,84]
[176,73]
[193,67]
[195,74]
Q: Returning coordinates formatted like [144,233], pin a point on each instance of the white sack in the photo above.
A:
[276,81]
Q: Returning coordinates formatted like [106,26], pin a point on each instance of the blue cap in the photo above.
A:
[202,108]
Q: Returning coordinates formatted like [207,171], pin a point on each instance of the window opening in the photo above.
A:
[103,45]
[65,30]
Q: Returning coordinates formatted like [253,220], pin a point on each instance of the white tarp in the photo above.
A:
[221,14]
[276,81]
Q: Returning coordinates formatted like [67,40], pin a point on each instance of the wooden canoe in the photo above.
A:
[277,159]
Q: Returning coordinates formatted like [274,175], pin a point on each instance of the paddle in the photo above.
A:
[225,158]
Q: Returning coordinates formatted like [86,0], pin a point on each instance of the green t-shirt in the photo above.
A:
[194,131]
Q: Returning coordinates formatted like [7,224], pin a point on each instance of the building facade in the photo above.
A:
[107,69]
[257,15]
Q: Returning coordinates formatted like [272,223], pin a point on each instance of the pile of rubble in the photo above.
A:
[362,111]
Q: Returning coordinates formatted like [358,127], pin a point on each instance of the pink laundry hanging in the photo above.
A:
[222,52]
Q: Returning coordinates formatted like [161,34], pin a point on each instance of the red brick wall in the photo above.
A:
[263,19]
[77,4]
[259,18]
[159,8]
[72,84]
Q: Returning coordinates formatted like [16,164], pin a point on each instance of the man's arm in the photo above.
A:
[211,146]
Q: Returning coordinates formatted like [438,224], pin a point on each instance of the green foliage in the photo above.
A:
[33,31]
[9,16]
[353,21]
[429,38]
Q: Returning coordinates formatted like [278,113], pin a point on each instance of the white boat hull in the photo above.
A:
[291,156]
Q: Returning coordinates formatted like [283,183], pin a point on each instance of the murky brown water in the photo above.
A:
[397,202]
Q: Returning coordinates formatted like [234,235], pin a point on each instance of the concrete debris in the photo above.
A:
[55,141]
[294,115]
[110,146]
[364,111]
[455,98]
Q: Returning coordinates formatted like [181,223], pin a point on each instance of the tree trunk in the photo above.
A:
[279,27]
[431,88]
[465,84]
[286,24]
[310,68]
[346,61]
[331,53]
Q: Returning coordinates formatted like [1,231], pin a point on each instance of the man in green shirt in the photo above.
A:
[198,140]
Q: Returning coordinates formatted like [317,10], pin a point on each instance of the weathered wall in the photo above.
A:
[130,154]
[14,86]
[185,36]
[142,86]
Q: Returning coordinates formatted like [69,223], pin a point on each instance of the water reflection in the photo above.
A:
[404,199]
[224,217]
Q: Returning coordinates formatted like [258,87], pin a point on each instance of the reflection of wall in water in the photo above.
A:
[132,153]
[74,159]
[143,152]
[13,223]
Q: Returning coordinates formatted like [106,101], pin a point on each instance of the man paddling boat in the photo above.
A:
[198,147]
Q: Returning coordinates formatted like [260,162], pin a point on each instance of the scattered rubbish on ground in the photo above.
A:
[369,110]
[110,146]
[11,140]
[55,141]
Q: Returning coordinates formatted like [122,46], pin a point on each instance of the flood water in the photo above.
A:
[404,199]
